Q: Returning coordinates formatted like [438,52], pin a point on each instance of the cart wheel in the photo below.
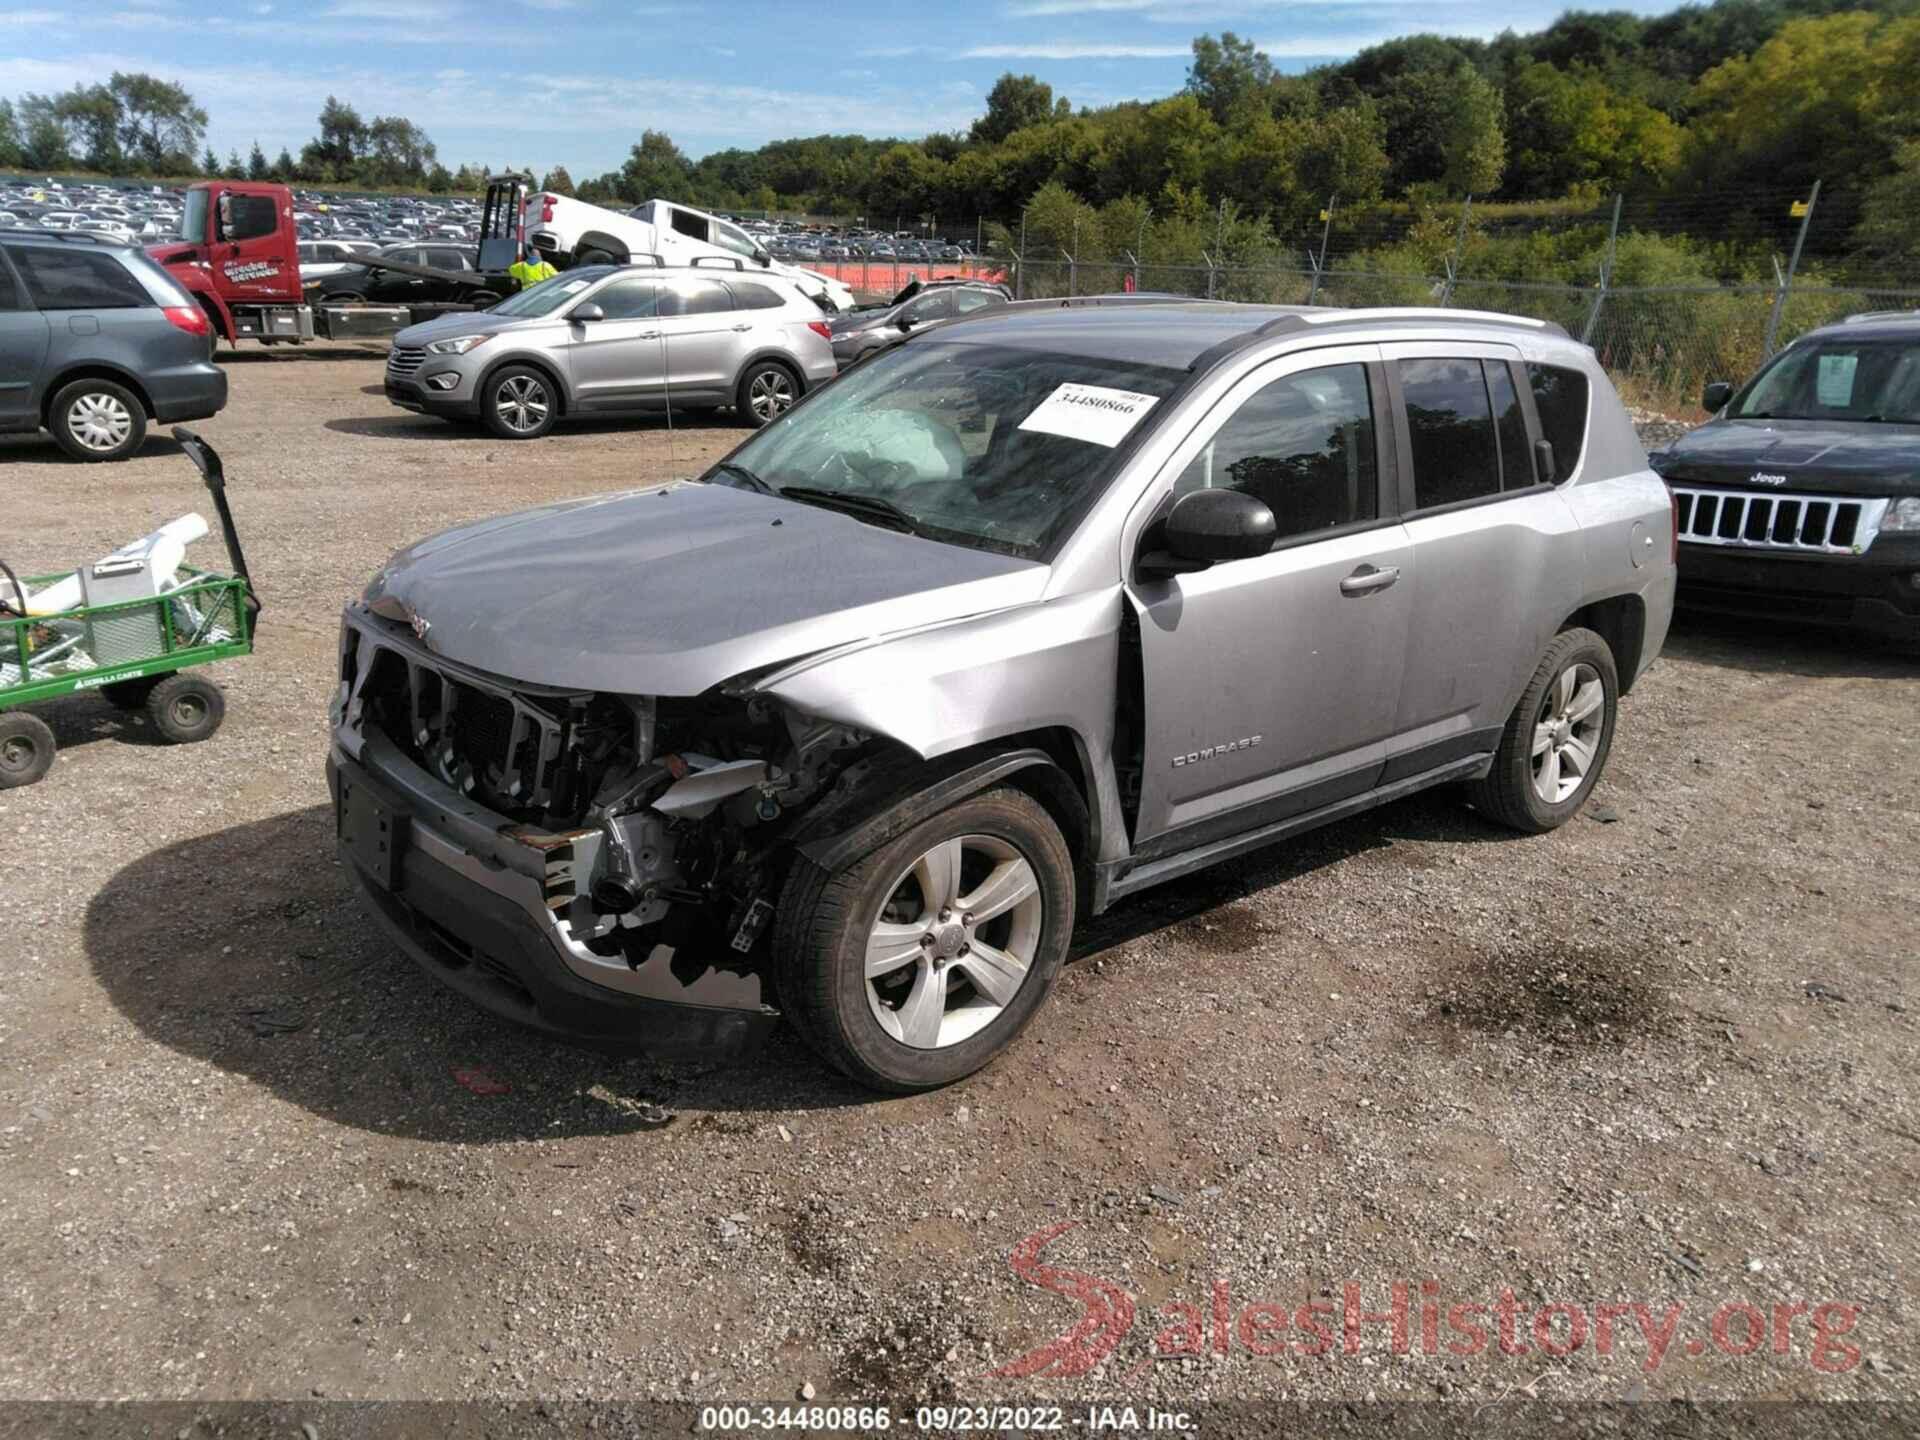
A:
[26,749]
[130,694]
[185,708]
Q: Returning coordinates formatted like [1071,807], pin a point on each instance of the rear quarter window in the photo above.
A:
[75,279]
[754,297]
[1560,398]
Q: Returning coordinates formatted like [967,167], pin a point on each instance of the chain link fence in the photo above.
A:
[1661,344]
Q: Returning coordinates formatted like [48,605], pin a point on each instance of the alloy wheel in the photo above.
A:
[954,943]
[99,422]
[770,393]
[522,403]
[1566,735]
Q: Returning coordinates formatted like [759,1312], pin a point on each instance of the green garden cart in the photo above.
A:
[134,626]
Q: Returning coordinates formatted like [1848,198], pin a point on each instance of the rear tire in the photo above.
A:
[186,709]
[1556,741]
[131,694]
[95,420]
[856,950]
[26,749]
[594,257]
[519,402]
[767,391]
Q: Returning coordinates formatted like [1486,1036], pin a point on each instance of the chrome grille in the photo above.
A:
[1768,520]
[405,359]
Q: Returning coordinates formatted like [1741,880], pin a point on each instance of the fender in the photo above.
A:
[886,811]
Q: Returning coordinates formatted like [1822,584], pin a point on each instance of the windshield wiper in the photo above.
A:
[754,482]
[863,507]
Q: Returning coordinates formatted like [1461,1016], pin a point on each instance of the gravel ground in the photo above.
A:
[1661,1056]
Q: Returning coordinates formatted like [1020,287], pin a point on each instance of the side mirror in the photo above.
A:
[1207,527]
[1543,462]
[904,324]
[585,314]
[763,257]
[1716,396]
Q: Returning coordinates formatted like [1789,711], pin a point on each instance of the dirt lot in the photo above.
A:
[1663,1056]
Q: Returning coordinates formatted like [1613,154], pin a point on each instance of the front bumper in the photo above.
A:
[411,392]
[1878,592]
[466,896]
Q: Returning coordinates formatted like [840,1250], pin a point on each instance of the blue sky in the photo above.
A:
[574,82]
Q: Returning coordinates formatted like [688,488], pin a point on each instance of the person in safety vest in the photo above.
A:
[530,269]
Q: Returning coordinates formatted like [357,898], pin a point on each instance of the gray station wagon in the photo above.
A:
[1031,613]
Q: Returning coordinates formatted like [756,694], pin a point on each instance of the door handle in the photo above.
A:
[1369,578]
[647,335]
[743,327]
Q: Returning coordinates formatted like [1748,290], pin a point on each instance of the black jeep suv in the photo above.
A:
[1800,499]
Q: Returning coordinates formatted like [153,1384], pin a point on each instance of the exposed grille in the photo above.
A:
[503,745]
[405,359]
[1764,520]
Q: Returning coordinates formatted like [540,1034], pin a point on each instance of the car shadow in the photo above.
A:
[1777,647]
[83,719]
[39,448]
[403,425]
[256,353]
[248,949]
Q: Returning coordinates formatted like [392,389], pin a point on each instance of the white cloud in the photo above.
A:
[30,19]
[1074,50]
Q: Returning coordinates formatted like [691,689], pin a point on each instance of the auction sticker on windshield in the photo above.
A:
[1092,413]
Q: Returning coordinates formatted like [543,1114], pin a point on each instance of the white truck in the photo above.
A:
[571,232]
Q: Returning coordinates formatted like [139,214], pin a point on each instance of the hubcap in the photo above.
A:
[770,392]
[522,402]
[954,942]
[99,422]
[1566,736]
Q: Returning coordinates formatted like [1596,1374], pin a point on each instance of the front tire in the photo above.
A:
[519,403]
[95,420]
[919,963]
[26,749]
[1556,741]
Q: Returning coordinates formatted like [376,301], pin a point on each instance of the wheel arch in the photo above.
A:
[93,370]
[778,357]
[600,240]
[532,362]
[1621,621]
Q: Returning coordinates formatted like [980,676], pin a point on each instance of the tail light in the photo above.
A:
[819,327]
[190,318]
[546,209]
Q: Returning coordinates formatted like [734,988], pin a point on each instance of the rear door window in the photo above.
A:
[75,279]
[695,297]
[748,296]
[10,297]
[1450,421]
[1560,399]
[1510,423]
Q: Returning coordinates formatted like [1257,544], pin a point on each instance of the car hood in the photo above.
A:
[461,322]
[858,321]
[1841,457]
[670,591]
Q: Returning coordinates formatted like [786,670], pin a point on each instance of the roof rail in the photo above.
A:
[732,261]
[22,232]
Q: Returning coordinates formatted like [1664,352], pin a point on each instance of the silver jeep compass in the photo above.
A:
[1033,612]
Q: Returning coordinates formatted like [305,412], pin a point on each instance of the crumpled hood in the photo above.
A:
[1842,457]
[672,590]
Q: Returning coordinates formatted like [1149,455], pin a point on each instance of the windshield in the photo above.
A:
[193,217]
[1837,380]
[991,446]
[549,295]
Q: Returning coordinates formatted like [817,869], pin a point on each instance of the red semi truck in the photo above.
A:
[237,256]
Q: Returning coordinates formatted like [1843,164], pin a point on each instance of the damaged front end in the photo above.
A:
[579,861]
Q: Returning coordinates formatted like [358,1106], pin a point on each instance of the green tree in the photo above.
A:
[1574,130]
[1887,239]
[282,166]
[1473,143]
[654,167]
[257,167]
[1343,155]
[43,137]
[13,150]
[1014,103]
[1227,74]
[159,123]
[558,181]
[91,116]
[343,136]
[395,152]
[210,165]
[235,168]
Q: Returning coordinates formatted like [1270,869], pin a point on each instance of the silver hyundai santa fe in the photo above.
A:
[617,340]
[1029,614]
